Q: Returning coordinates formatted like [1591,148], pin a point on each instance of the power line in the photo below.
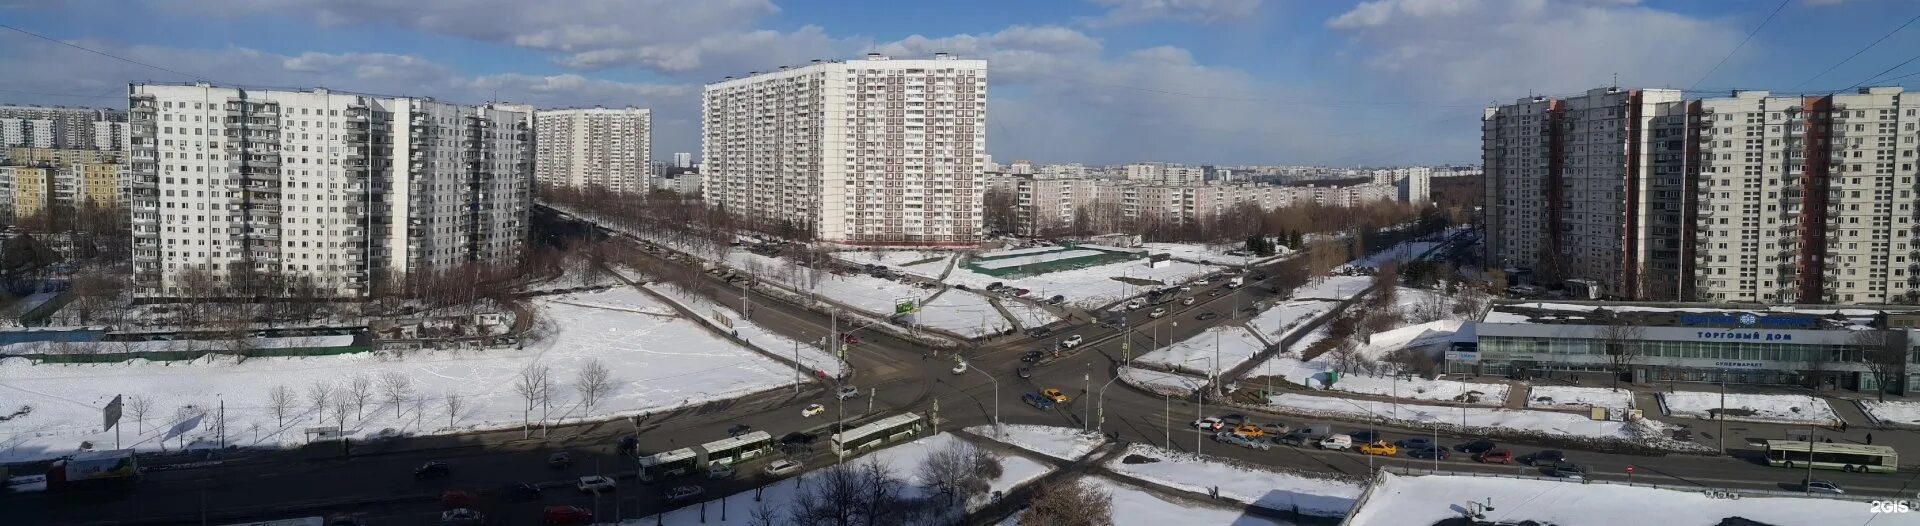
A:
[1857,53]
[1902,63]
[1743,43]
[102,53]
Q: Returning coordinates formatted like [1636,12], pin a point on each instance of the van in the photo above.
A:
[1336,442]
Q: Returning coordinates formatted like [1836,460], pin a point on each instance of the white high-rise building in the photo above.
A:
[873,151]
[605,147]
[683,160]
[342,191]
[59,127]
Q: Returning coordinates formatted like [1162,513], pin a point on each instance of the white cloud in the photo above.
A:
[1127,12]
[709,57]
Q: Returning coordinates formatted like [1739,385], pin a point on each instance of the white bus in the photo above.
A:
[730,451]
[877,433]
[669,464]
[1845,457]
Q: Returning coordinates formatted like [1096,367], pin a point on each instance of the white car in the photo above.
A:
[1071,341]
[1157,313]
[462,516]
[679,493]
[1187,301]
[812,409]
[847,391]
[1133,305]
[781,468]
[720,471]
[1201,282]
[595,483]
[1184,288]
[1208,424]
[960,368]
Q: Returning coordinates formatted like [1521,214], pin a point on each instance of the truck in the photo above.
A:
[1236,281]
[93,468]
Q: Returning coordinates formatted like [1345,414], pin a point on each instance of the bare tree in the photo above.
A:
[958,472]
[454,404]
[1885,355]
[397,387]
[1073,503]
[280,399]
[531,385]
[319,393]
[594,382]
[854,493]
[140,406]
[360,388]
[340,407]
[1621,339]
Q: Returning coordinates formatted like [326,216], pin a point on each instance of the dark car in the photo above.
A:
[1038,332]
[1475,447]
[560,460]
[1497,456]
[431,470]
[1056,300]
[1296,439]
[1567,470]
[1037,401]
[1206,316]
[1544,458]
[1414,443]
[454,498]
[738,429]
[1025,372]
[1233,419]
[520,492]
[1031,356]
[1361,437]
[629,444]
[1430,452]
[567,515]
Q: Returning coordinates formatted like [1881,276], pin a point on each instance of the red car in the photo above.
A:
[1497,456]
[454,498]
[568,515]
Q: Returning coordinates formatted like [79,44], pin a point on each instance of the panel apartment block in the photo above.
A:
[346,190]
[873,151]
[609,148]
[60,127]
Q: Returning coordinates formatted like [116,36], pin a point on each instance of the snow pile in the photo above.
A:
[1275,490]
[1400,500]
[963,313]
[1029,316]
[1035,259]
[655,361]
[1569,397]
[1230,344]
[1479,420]
[1161,383]
[1064,443]
[809,353]
[1089,286]
[1282,319]
[1133,506]
[1334,288]
[1896,412]
[904,460]
[1784,408]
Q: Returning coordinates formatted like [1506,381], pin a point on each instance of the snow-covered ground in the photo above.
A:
[1403,252]
[1793,409]
[890,258]
[1063,443]
[809,352]
[288,342]
[1334,288]
[1275,490]
[657,361]
[1425,337]
[1474,418]
[1034,259]
[1213,254]
[1895,412]
[1028,315]
[1402,500]
[1133,506]
[1277,322]
[1230,344]
[1163,383]
[868,293]
[964,313]
[904,460]
[1018,251]
[1570,397]
[1089,286]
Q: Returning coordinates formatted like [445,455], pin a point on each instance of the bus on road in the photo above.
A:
[877,433]
[668,464]
[1845,457]
[730,451]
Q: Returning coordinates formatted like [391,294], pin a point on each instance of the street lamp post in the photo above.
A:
[1103,403]
[996,400]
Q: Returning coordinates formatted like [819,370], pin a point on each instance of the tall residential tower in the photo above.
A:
[609,148]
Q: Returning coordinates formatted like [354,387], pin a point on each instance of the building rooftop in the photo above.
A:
[1805,317]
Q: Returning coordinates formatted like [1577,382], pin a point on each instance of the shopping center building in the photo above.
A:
[1712,343]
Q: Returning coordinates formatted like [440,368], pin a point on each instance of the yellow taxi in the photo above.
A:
[1249,430]
[1055,395]
[1382,448]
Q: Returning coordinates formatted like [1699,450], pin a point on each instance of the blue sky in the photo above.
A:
[1097,81]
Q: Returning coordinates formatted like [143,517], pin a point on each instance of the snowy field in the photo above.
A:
[1792,409]
[1232,344]
[1540,422]
[868,293]
[1426,337]
[1274,490]
[904,460]
[1163,383]
[1277,322]
[1569,397]
[657,361]
[962,312]
[1028,315]
[1401,500]
[1089,286]
[1133,506]
[1212,254]
[809,352]
[1017,252]
[890,258]
[1900,413]
[1064,443]
[1035,259]
[1334,288]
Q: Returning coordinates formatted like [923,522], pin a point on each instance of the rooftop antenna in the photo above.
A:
[1616,80]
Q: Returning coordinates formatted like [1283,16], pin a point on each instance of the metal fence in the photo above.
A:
[1723,493]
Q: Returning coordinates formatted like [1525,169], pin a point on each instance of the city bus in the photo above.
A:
[669,464]
[1845,457]
[730,451]
[877,433]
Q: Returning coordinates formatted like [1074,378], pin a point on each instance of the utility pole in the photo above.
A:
[1722,417]
[796,367]
[1199,413]
[1169,423]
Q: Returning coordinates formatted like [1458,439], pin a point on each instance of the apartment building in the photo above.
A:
[61,127]
[874,151]
[36,179]
[1044,204]
[608,148]
[346,190]
[1165,173]
[1745,198]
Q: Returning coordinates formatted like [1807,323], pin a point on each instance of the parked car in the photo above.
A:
[847,391]
[1414,443]
[462,516]
[594,483]
[1071,341]
[720,471]
[1055,395]
[1157,313]
[812,409]
[1204,316]
[1336,442]
[1544,458]
[1821,486]
[1497,456]
[1189,300]
[1295,439]
[1025,372]
[431,470]
[520,492]
[454,498]
[1379,447]
[566,515]
[1475,447]
[1037,401]
[1567,470]
[1430,452]
[1249,431]
[682,493]
[783,467]
[1208,424]
[560,460]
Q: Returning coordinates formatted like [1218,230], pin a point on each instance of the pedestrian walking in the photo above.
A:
[1869,439]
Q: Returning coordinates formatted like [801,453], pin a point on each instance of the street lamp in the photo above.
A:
[1103,402]
[996,398]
